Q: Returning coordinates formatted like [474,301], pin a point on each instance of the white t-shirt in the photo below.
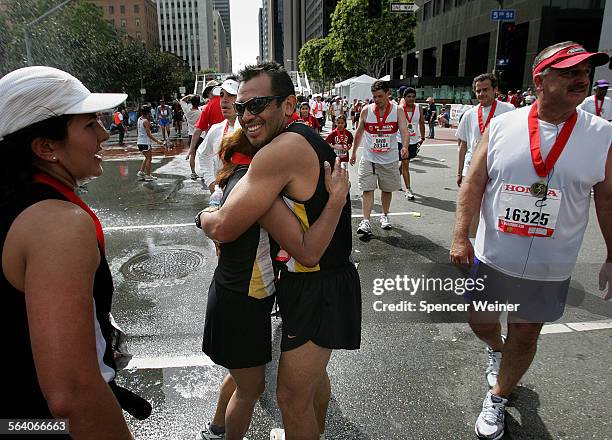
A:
[469,129]
[509,165]
[317,109]
[208,153]
[192,115]
[588,105]
[337,107]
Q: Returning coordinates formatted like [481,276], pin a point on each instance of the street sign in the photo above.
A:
[143,91]
[404,7]
[182,90]
[503,15]
[503,62]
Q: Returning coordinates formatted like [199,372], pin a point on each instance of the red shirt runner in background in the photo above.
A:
[211,114]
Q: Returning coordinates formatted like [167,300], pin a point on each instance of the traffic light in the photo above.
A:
[374,9]
[508,31]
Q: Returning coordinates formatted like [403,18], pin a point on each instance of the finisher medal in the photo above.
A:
[538,189]
[409,126]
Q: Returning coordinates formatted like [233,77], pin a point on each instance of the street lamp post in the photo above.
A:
[26,29]
[499,26]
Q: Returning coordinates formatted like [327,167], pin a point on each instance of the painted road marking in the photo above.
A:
[577,326]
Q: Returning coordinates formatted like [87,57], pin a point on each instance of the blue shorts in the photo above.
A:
[537,301]
[164,122]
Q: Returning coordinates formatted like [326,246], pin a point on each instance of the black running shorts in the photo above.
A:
[322,307]
[143,148]
[237,330]
[413,150]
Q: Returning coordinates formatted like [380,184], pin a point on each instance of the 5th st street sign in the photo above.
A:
[404,7]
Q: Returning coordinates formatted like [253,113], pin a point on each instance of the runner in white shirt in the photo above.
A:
[416,122]
[208,156]
[317,111]
[533,173]
[598,103]
[190,105]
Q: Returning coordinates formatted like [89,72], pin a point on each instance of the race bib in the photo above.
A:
[381,144]
[523,214]
[340,151]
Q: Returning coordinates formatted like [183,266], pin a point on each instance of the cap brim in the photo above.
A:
[597,58]
[97,102]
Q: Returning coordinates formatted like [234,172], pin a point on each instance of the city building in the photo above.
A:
[184,28]
[457,39]
[220,44]
[223,6]
[137,19]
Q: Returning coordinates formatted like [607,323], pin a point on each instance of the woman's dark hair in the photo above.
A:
[17,166]
[236,142]
[145,110]
[409,91]
[305,104]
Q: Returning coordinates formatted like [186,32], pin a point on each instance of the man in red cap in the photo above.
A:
[598,103]
[534,177]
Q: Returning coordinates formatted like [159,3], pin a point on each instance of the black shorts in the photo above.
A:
[413,150]
[322,307]
[142,148]
[237,330]
[538,301]
[200,139]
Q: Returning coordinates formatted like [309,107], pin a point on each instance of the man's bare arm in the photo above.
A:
[272,170]
[359,134]
[404,132]
[462,151]
[603,207]
[421,123]
[468,202]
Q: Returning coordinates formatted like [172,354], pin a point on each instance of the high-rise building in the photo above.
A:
[137,18]
[185,30]
[317,18]
[223,6]
[219,43]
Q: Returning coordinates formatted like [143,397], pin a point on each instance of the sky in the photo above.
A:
[245,32]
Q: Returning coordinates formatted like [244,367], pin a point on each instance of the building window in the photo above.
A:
[448,5]
[136,9]
[111,10]
[427,11]
[138,22]
[123,23]
[122,9]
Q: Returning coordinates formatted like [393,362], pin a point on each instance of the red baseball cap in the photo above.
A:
[569,56]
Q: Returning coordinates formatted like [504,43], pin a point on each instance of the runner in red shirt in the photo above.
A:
[211,115]
[341,139]
[307,118]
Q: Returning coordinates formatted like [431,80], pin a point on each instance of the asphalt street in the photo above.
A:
[416,376]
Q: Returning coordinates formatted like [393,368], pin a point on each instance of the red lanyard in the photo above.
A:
[381,122]
[226,127]
[67,192]
[406,113]
[543,169]
[491,113]
[598,108]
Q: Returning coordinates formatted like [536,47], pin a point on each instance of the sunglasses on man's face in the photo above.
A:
[255,105]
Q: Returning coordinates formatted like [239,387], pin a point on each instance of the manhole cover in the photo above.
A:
[162,264]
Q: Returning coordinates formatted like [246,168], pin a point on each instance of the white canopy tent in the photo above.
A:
[355,88]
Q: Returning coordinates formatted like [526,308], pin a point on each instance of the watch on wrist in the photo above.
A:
[197,221]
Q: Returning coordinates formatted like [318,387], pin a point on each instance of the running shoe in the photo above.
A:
[209,434]
[490,422]
[409,195]
[494,364]
[140,175]
[384,222]
[277,434]
[194,176]
[364,228]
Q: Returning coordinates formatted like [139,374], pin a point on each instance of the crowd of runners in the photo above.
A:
[283,230]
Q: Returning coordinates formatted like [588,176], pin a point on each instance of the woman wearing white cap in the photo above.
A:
[55,284]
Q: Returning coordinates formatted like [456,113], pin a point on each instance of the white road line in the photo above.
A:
[577,327]
[170,362]
[184,225]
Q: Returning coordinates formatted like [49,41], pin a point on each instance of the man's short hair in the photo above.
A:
[409,91]
[484,77]
[550,50]
[380,85]
[279,78]
[195,100]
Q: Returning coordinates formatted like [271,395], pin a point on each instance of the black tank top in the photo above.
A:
[21,394]
[337,254]
[245,264]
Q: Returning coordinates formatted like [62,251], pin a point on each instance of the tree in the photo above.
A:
[309,58]
[366,45]
[331,68]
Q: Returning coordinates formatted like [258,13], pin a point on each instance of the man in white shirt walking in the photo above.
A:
[598,103]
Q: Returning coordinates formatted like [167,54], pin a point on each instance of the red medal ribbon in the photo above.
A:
[543,169]
[491,113]
[68,192]
[381,122]
[598,108]
[406,113]
[240,159]
[342,137]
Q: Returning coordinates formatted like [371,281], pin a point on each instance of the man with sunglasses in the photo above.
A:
[532,176]
[208,156]
[321,305]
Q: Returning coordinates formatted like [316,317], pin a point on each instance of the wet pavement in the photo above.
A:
[413,378]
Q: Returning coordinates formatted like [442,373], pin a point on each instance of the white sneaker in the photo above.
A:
[277,434]
[409,195]
[207,434]
[140,175]
[490,422]
[364,228]
[194,176]
[149,178]
[494,364]
[384,222]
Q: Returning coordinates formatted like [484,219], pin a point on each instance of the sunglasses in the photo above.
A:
[255,105]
